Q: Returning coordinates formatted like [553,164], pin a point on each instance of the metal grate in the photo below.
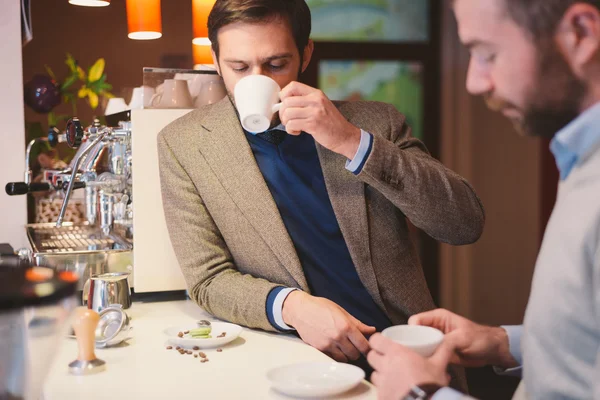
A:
[47,238]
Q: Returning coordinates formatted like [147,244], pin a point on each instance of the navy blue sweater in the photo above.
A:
[292,171]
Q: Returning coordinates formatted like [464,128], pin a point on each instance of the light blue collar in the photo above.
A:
[573,141]
[279,127]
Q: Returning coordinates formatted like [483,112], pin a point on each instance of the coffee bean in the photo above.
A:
[169,347]
[219,350]
[195,355]
[186,332]
[177,348]
[202,355]
[196,348]
[180,334]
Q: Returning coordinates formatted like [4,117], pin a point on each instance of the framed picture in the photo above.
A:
[395,82]
[390,51]
[370,20]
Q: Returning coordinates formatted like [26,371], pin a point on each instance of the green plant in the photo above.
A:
[93,86]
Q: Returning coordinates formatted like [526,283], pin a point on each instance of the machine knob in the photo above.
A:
[74,132]
[53,133]
[19,188]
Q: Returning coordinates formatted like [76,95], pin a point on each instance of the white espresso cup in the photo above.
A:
[115,105]
[141,97]
[421,339]
[175,94]
[211,92]
[256,99]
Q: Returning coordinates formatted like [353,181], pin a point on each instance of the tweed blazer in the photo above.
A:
[233,247]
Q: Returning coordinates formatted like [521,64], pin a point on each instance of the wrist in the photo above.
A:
[502,357]
[290,304]
[352,143]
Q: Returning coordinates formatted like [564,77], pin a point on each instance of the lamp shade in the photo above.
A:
[144,19]
[200,11]
[90,3]
[202,54]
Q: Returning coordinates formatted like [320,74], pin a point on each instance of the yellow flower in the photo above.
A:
[81,73]
[83,92]
[96,70]
[93,99]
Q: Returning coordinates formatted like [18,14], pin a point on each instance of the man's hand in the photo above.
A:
[326,326]
[476,345]
[306,109]
[398,369]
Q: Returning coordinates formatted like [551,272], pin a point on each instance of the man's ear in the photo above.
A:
[578,36]
[307,55]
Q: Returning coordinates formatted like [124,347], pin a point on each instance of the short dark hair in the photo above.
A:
[540,18]
[226,12]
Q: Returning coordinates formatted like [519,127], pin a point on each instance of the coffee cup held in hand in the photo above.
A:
[421,339]
[256,99]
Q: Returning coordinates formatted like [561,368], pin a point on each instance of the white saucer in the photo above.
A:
[316,379]
[232,331]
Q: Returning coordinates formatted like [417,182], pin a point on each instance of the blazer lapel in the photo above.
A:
[347,195]
[226,149]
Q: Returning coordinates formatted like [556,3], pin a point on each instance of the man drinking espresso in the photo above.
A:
[303,227]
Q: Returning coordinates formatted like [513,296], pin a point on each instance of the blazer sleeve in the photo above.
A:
[212,278]
[431,196]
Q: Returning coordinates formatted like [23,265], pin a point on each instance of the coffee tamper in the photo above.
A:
[84,325]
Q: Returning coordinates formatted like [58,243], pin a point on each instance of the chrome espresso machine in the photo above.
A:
[102,168]
[124,228]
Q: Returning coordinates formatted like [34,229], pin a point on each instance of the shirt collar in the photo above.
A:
[573,141]
[279,127]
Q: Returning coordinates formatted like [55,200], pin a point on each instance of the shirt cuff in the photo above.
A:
[364,150]
[514,333]
[275,301]
[447,393]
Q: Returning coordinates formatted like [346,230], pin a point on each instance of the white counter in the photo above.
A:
[142,368]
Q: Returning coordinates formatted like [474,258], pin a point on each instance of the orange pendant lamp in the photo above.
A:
[202,55]
[201,48]
[90,3]
[144,19]
[200,11]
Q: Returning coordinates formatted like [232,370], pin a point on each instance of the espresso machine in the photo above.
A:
[102,168]
[115,198]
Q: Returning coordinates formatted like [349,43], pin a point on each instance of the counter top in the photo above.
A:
[142,368]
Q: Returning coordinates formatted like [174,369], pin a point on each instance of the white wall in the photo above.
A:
[13,210]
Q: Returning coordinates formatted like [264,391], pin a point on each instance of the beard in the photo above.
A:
[554,101]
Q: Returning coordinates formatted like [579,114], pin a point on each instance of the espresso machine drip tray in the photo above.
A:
[69,238]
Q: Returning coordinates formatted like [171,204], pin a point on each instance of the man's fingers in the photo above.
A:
[349,349]
[337,354]
[364,328]
[435,318]
[442,356]
[295,89]
[375,378]
[458,340]
[359,341]
[298,101]
[287,114]
[375,359]
[382,344]
[295,126]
